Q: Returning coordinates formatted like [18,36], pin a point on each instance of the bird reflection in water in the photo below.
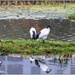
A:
[41,63]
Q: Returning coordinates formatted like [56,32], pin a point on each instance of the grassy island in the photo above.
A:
[34,47]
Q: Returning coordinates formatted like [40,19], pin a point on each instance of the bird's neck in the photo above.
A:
[48,28]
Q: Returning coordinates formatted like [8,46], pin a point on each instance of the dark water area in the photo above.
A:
[17,65]
[63,29]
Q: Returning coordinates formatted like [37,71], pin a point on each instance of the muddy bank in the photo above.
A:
[36,11]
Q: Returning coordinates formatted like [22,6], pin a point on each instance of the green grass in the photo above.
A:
[72,16]
[34,47]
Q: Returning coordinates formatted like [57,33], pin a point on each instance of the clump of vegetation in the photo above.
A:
[72,16]
[34,47]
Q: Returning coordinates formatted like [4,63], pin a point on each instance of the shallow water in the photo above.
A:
[63,29]
[17,65]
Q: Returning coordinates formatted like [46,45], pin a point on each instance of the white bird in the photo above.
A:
[33,33]
[43,33]
[41,63]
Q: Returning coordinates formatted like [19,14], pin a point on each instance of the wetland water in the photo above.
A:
[63,29]
[17,65]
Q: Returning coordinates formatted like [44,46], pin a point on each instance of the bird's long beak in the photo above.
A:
[51,28]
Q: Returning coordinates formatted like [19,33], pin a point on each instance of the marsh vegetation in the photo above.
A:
[34,47]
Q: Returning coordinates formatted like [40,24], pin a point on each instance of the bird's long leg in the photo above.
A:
[43,42]
[30,38]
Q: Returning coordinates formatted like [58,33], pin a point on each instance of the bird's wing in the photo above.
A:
[44,32]
[43,66]
[37,35]
[31,31]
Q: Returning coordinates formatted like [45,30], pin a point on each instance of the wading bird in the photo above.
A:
[43,33]
[33,32]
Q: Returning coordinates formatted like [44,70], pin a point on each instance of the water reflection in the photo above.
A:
[64,30]
[17,65]
[41,63]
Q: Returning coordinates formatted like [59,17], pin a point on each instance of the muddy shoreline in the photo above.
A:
[35,12]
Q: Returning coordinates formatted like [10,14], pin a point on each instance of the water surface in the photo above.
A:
[63,29]
[17,65]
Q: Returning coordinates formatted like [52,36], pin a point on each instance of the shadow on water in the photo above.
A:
[17,65]
[63,30]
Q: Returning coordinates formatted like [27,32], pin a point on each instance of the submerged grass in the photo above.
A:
[34,47]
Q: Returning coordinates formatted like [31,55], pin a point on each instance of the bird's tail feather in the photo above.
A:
[33,35]
[37,36]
